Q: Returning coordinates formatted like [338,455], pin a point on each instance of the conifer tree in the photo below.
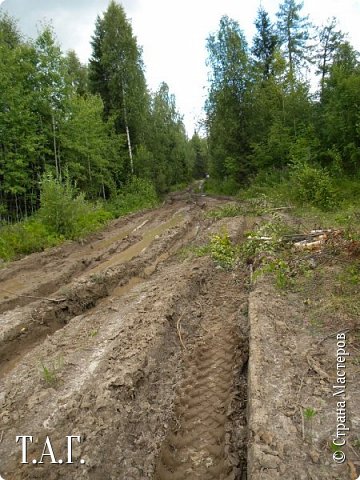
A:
[293,33]
[329,41]
[264,44]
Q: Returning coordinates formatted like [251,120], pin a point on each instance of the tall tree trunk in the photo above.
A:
[87,155]
[323,71]
[128,133]
[55,148]
[17,208]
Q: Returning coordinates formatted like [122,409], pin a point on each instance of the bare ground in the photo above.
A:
[143,353]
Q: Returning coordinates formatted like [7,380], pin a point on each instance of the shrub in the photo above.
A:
[222,250]
[65,212]
[138,194]
[60,207]
[24,238]
[221,187]
[312,184]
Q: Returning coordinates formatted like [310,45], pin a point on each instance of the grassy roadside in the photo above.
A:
[327,275]
[64,214]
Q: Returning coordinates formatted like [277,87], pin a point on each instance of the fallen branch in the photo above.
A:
[304,245]
[140,226]
[59,300]
[353,474]
[333,334]
[302,423]
[178,327]
[301,384]
[251,267]
[316,367]
[280,208]
[298,237]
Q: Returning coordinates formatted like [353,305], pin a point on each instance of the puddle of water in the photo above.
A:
[140,246]
[102,244]
[26,344]
[9,288]
[124,289]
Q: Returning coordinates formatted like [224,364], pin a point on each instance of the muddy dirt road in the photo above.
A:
[124,357]
[124,342]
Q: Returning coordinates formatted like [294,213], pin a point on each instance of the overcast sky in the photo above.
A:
[172,33]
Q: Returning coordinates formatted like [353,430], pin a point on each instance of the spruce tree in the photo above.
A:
[293,32]
[329,41]
[264,44]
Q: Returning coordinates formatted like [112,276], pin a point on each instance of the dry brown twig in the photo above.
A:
[178,327]
[302,423]
[251,267]
[333,334]
[316,367]
[56,300]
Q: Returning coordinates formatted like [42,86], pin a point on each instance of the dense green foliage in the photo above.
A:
[99,123]
[264,113]
[80,144]
[64,213]
[138,194]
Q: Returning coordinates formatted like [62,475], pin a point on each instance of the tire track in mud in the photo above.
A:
[200,443]
[124,368]
[116,388]
[114,276]
[41,274]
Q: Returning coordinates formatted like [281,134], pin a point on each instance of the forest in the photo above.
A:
[286,106]
[80,144]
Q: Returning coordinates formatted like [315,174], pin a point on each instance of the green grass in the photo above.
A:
[309,413]
[35,234]
[66,215]
[24,238]
[139,194]
[280,190]
[50,371]
[228,210]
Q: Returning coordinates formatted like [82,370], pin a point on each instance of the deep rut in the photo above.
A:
[152,348]
[199,445]
[110,278]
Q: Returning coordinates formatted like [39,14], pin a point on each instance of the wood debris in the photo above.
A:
[314,240]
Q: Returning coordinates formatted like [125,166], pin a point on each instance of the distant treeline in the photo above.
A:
[262,113]
[98,125]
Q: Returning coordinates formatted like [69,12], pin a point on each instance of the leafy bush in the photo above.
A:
[63,215]
[312,184]
[256,244]
[138,194]
[65,212]
[221,250]
[24,238]
[221,187]
[280,269]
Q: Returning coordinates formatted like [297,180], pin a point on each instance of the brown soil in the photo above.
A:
[142,351]
[197,445]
